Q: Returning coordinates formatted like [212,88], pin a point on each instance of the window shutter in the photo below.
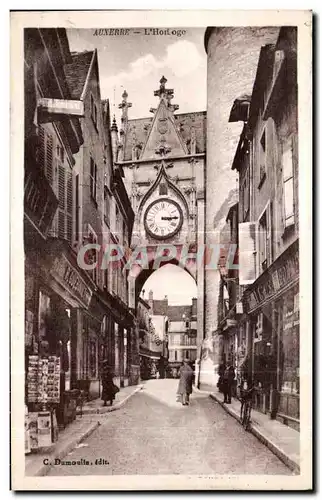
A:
[247,252]
[61,224]
[62,202]
[69,207]
[69,193]
[69,221]
[61,187]
[49,158]
[42,149]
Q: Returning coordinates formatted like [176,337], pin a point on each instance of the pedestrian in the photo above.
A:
[185,382]
[228,380]
[221,371]
[109,388]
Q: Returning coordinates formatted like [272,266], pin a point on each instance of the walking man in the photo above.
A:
[185,382]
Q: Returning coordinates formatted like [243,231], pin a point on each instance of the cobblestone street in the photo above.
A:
[153,434]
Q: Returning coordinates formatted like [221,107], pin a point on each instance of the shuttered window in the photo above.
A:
[247,252]
[45,155]
[65,207]
[265,238]
[288,184]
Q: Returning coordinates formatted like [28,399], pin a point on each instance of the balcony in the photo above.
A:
[40,202]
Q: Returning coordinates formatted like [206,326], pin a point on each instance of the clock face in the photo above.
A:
[163,218]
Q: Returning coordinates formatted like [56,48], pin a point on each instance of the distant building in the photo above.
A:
[182,331]
[152,340]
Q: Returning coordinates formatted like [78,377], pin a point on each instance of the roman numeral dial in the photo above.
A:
[163,218]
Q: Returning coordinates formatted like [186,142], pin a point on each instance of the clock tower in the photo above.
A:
[163,160]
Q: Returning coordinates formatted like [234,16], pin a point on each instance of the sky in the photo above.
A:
[172,281]
[137,62]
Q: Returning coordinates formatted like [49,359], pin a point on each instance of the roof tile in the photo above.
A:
[76,72]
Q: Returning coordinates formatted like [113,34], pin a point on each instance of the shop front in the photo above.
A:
[272,305]
[55,293]
[118,344]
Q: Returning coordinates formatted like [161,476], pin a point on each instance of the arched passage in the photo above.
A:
[170,300]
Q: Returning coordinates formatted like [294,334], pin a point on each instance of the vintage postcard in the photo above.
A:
[161,249]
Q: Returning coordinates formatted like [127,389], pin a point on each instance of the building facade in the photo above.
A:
[104,217]
[182,332]
[232,57]
[153,341]
[76,311]
[55,289]
[264,298]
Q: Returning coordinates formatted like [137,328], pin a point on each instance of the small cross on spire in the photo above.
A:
[162,92]
[124,106]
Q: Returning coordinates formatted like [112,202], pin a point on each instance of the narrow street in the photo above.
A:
[153,434]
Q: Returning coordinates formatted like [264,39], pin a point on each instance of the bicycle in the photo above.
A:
[246,407]
[245,413]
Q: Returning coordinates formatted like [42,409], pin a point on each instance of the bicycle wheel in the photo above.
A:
[244,414]
[247,416]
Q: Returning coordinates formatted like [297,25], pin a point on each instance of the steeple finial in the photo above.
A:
[165,94]
[124,106]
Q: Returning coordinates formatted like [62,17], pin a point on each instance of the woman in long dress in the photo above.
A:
[108,392]
[185,382]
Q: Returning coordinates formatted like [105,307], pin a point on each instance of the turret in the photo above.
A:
[114,139]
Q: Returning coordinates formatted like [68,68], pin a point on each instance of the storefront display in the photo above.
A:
[43,379]
[44,429]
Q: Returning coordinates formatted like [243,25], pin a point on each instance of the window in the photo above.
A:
[175,355]
[244,194]
[94,111]
[187,354]
[262,159]
[92,255]
[65,206]
[60,153]
[45,154]
[118,223]
[288,185]
[107,206]
[264,239]
[93,180]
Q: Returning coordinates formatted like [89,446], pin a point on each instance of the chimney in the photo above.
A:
[194,307]
[114,139]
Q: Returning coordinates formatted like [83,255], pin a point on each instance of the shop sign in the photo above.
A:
[71,279]
[273,281]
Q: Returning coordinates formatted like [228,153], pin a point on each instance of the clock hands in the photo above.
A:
[169,218]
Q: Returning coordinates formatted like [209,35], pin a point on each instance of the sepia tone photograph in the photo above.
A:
[162,171]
